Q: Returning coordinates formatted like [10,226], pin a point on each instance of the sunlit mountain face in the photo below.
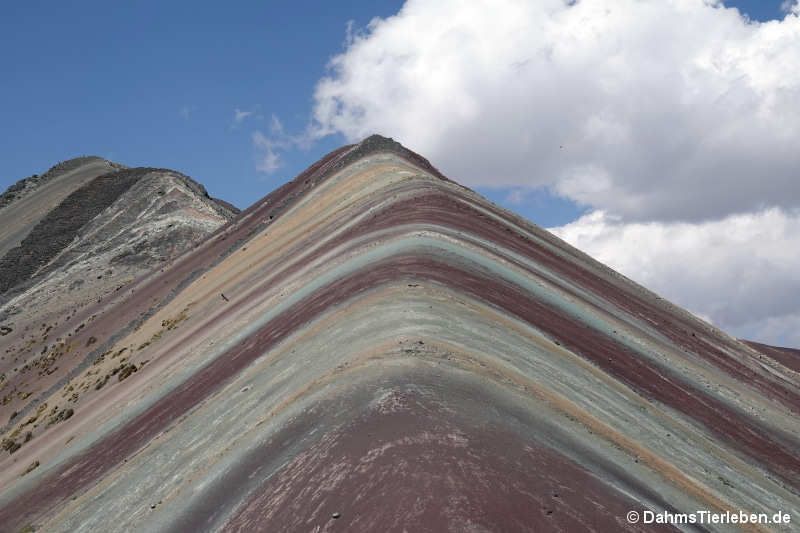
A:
[370,347]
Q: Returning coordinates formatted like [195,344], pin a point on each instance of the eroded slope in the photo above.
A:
[101,238]
[373,347]
[26,202]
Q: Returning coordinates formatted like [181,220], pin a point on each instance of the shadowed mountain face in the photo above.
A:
[373,347]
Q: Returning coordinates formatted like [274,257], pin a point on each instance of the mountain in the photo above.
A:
[21,209]
[78,209]
[73,238]
[373,347]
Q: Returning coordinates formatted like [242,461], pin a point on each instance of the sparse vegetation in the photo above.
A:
[33,466]
[121,350]
[60,416]
[166,325]
[10,445]
[100,383]
[126,371]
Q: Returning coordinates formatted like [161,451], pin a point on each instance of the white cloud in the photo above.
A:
[239,116]
[741,272]
[516,196]
[675,121]
[186,112]
[662,110]
[268,160]
[275,126]
[268,148]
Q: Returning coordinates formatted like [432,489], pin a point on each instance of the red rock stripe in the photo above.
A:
[741,433]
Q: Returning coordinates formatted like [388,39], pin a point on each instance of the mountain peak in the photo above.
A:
[79,161]
[373,346]
[79,168]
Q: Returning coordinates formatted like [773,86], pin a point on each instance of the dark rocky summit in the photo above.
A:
[61,225]
[27,185]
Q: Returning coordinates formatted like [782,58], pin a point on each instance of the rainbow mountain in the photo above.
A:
[374,347]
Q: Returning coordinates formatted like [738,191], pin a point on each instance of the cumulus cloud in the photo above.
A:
[667,110]
[674,123]
[742,272]
[790,6]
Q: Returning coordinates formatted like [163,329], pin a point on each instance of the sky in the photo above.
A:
[658,136]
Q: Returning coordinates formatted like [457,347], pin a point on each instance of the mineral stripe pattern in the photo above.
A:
[374,347]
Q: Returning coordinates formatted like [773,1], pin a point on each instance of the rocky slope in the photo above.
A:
[373,347]
[21,209]
[108,231]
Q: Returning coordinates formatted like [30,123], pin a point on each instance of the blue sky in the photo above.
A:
[156,84]
[641,132]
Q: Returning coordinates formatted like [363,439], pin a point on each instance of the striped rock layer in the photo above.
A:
[373,347]
[75,241]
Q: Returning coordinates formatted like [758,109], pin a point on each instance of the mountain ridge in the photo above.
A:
[110,230]
[376,347]
[59,227]
[25,186]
